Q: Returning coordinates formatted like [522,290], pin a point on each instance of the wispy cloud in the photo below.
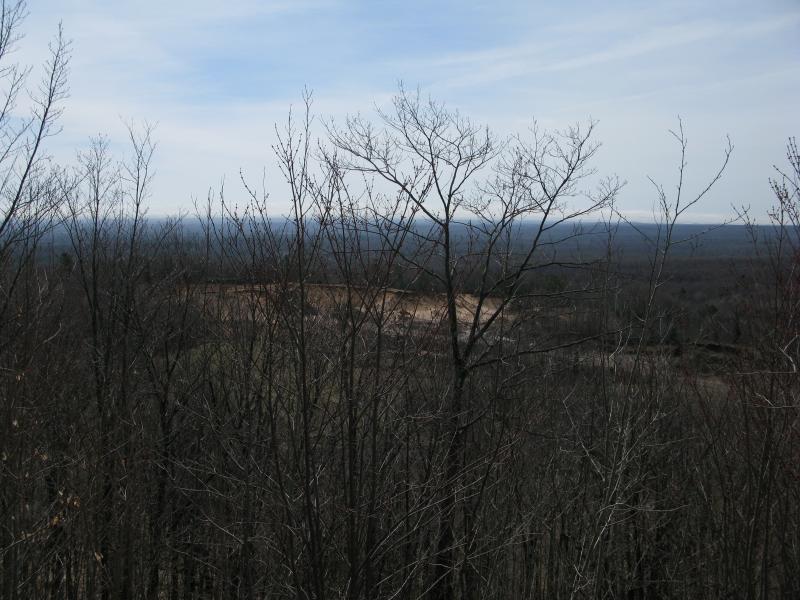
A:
[474,68]
[216,76]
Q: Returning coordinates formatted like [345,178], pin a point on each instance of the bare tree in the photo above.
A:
[31,189]
[473,193]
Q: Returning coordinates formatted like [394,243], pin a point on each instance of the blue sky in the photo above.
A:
[216,76]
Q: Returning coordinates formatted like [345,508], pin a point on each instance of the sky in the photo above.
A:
[215,77]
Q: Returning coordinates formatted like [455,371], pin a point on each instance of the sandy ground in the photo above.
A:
[396,304]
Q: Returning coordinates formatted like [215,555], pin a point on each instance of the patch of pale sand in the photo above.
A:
[419,306]
[396,304]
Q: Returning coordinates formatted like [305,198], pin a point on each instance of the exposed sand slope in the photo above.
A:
[326,298]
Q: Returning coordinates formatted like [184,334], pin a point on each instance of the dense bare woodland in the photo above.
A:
[435,378]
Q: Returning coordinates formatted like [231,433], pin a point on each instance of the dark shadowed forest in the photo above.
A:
[452,370]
